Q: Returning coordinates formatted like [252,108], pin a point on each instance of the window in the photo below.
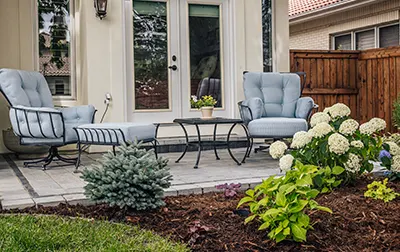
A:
[365,40]
[54,34]
[389,36]
[343,42]
[375,37]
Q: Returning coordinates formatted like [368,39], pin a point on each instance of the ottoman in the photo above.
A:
[115,134]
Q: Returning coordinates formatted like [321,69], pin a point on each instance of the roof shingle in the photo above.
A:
[297,7]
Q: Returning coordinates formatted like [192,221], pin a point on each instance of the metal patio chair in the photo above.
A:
[35,119]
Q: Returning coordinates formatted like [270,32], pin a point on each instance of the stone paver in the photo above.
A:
[59,183]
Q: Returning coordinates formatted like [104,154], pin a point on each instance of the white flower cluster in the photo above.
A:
[338,110]
[374,125]
[194,98]
[353,164]
[394,149]
[320,130]
[338,144]
[301,139]
[348,127]
[396,164]
[277,149]
[286,162]
[319,117]
[358,144]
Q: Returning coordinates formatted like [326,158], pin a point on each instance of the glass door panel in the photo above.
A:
[205,51]
[151,85]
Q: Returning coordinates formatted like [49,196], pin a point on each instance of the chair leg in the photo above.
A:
[53,155]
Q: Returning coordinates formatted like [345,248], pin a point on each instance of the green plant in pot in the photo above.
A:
[205,104]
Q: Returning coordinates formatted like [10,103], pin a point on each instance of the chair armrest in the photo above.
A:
[245,112]
[79,114]
[251,109]
[34,122]
[304,107]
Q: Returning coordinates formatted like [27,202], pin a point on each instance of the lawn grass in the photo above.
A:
[51,233]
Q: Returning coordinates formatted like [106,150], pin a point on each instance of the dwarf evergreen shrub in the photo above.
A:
[132,179]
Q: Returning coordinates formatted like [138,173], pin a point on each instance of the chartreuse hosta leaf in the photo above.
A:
[337,170]
[299,233]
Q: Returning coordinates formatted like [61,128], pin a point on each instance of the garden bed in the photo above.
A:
[207,222]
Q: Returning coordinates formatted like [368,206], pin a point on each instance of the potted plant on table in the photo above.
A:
[205,104]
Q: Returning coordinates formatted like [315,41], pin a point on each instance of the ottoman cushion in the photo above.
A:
[116,132]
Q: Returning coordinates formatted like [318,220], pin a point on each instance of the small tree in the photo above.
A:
[132,179]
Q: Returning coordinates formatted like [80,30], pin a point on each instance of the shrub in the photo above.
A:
[281,203]
[336,140]
[133,179]
[379,190]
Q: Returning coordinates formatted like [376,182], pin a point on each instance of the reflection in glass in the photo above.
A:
[150,55]
[267,37]
[54,44]
[205,51]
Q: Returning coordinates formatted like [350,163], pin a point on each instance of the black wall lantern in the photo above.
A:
[101,8]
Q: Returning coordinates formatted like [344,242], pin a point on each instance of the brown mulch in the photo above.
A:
[207,222]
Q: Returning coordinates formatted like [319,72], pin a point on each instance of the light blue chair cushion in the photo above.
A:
[279,92]
[70,137]
[25,88]
[112,132]
[303,107]
[276,127]
[257,108]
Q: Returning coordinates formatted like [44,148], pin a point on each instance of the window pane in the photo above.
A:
[343,42]
[54,43]
[365,40]
[389,36]
[205,51]
[267,35]
[150,55]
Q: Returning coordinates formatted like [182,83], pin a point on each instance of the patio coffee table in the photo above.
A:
[213,121]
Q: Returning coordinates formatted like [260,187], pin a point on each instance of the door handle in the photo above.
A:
[173,67]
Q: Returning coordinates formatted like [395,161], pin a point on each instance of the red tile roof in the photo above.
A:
[297,7]
[48,68]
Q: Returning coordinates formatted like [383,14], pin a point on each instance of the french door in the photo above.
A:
[180,49]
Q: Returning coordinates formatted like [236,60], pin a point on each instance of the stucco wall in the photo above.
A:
[315,34]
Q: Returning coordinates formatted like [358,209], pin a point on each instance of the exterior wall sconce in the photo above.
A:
[101,8]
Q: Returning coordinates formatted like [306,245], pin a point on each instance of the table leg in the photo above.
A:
[249,144]
[214,139]
[78,161]
[187,143]
[229,149]
[199,147]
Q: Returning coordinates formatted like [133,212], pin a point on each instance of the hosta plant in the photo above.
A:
[280,204]
[379,190]
[334,139]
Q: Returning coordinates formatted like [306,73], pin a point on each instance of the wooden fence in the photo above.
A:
[367,81]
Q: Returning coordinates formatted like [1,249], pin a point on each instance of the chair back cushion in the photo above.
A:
[29,89]
[210,86]
[278,91]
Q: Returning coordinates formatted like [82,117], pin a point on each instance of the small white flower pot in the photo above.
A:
[206,112]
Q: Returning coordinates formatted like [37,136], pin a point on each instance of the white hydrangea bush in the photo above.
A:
[335,139]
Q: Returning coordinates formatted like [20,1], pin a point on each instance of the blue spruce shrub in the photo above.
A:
[133,179]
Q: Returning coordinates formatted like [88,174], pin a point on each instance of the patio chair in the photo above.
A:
[35,119]
[273,107]
[210,86]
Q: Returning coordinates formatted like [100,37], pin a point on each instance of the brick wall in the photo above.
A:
[315,34]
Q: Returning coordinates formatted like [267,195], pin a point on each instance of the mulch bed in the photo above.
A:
[207,222]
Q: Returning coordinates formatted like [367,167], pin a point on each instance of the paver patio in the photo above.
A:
[22,187]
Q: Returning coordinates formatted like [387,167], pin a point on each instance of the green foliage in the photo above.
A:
[133,178]
[25,233]
[280,203]
[326,179]
[396,112]
[205,101]
[379,190]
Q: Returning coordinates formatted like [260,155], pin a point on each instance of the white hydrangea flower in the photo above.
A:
[319,117]
[396,164]
[394,148]
[194,98]
[357,144]
[338,110]
[338,144]
[367,128]
[286,162]
[320,130]
[353,164]
[378,124]
[301,139]
[277,149]
[348,127]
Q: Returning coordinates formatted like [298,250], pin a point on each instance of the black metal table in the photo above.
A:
[212,121]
